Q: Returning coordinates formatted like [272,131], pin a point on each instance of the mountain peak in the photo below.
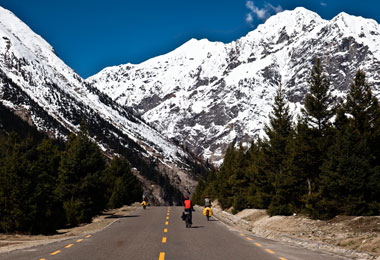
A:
[299,14]
[353,22]
[291,22]
[365,31]
[20,38]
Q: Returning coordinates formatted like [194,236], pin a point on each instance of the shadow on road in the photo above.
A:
[213,220]
[123,216]
[197,226]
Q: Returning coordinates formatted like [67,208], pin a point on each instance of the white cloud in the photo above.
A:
[276,9]
[260,13]
[323,4]
[249,18]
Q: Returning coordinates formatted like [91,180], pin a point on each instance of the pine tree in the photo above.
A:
[80,187]
[362,105]
[260,189]
[280,134]
[198,192]
[46,203]
[238,180]
[16,185]
[347,175]
[123,187]
[225,195]
[280,126]
[319,103]
[314,133]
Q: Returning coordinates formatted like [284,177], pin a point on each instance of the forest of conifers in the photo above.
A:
[324,163]
[46,184]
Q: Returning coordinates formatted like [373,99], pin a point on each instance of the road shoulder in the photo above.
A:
[296,230]
[11,242]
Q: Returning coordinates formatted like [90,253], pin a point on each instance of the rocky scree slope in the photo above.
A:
[206,94]
[39,87]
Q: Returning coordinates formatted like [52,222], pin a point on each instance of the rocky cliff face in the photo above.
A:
[39,87]
[206,94]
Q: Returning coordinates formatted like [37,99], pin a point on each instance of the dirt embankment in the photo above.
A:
[10,242]
[352,237]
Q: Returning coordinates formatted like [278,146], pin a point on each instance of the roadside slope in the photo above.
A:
[353,237]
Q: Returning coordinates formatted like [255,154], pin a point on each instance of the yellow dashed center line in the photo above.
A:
[260,245]
[56,252]
[281,258]
[68,246]
[162,254]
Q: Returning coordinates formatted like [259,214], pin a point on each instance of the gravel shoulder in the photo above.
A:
[351,237]
[11,242]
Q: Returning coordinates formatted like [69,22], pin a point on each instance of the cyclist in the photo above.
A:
[207,202]
[189,208]
[207,210]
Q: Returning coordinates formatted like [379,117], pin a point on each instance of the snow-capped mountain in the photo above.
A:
[207,94]
[41,88]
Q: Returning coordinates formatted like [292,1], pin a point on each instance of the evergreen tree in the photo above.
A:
[307,163]
[346,176]
[279,128]
[46,204]
[17,209]
[225,195]
[260,189]
[362,105]
[319,103]
[280,134]
[80,187]
[314,133]
[197,197]
[238,180]
[123,188]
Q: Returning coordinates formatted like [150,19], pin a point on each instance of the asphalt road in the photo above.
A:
[159,233]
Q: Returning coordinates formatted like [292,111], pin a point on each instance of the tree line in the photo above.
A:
[324,163]
[46,185]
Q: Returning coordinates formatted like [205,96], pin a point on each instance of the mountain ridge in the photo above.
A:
[208,94]
[38,86]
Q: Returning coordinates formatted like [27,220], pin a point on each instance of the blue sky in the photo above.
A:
[92,34]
